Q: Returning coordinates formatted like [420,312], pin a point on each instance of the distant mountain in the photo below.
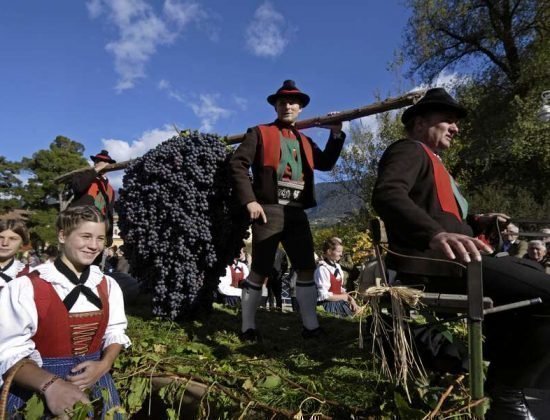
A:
[334,203]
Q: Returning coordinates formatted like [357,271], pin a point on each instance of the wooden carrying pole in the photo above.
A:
[333,118]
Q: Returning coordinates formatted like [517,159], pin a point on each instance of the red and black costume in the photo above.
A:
[261,152]
[413,198]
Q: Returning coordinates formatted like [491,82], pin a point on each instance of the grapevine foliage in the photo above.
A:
[178,224]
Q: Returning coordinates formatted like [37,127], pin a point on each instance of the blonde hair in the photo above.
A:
[331,243]
[69,219]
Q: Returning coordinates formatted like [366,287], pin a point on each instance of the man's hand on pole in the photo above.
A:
[335,128]
[458,246]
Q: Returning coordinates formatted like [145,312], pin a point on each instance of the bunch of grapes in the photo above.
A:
[179,222]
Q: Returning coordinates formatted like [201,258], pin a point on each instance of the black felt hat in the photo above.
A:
[102,156]
[289,89]
[436,99]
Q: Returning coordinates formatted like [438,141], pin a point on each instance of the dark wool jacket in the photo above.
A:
[263,188]
[406,199]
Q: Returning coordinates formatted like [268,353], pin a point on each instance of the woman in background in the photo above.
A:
[329,278]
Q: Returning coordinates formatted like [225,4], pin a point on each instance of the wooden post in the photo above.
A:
[333,118]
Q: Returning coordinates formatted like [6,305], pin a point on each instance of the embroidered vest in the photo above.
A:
[443,185]
[63,334]
[271,141]
[102,194]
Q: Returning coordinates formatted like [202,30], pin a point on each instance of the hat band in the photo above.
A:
[289,92]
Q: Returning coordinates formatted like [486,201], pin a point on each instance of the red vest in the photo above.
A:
[62,334]
[237,275]
[443,187]
[102,193]
[271,141]
[335,285]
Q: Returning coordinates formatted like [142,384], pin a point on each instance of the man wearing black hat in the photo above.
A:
[426,216]
[91,187]
[282,160]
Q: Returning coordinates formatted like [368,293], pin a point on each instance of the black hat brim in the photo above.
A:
[302,97]
[95,159]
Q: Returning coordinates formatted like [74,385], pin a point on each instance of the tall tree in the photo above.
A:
[9,185]
[442,34]
[41,194]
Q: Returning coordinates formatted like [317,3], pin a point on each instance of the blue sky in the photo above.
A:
[118,74]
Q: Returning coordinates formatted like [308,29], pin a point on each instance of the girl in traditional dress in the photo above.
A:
[66,317]
[329,278]
[230,286]
[13,234]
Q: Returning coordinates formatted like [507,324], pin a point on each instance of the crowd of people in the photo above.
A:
[62,319]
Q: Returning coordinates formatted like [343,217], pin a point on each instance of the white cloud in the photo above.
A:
[370,123]
[268,34]
[166,86]
[182,13]
[446,80]
[241,102]
[95,8]
[141,31]
[209,111]
[122,150]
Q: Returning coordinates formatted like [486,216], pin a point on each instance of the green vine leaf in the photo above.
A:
[35,408]
[270,381]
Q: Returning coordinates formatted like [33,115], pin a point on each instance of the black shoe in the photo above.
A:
[316,333]
[508,403]
[250,336]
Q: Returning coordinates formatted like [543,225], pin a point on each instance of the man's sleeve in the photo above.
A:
[324,160]
[82,181]
[400,168]
[240,164]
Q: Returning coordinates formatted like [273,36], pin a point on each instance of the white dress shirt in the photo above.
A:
[12,272]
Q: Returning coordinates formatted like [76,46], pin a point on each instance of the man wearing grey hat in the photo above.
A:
[426,216]
[282,160]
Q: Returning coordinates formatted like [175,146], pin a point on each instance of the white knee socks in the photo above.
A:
[306,295]
[250,300]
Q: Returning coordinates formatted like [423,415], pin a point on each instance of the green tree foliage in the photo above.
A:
[442,34]
[64,155]
[354,235]
[504,145]
[357,167]
[9,185]
[42,226]
[41,194]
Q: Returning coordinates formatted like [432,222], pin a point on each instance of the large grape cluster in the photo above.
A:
[179,223]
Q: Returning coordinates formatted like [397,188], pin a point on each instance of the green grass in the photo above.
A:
[281,377]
